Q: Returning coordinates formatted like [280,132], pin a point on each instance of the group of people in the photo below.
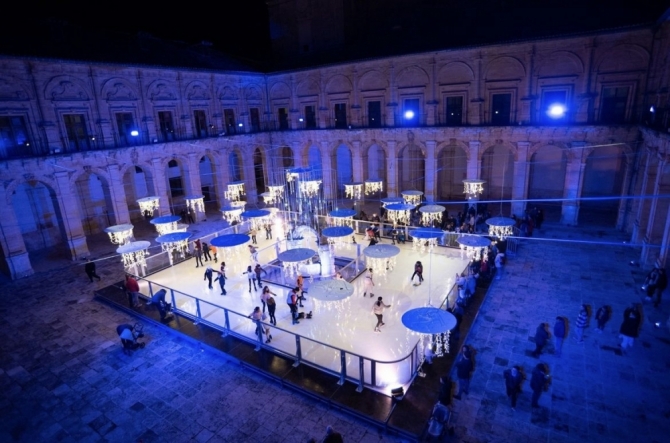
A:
[200,250]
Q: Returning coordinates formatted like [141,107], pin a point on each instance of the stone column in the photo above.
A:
[160,186]
[624,203]
[69,209]
[640,225]
[298,158]
[649,251]
[249,178]
[355,107]
[429,184]
[574,180]
[473,166]
[520,184]
[193,183]
[221,177]
[327,172]
[118,193]
[357,160]
[662,259]
[11,239]
[392,104]
[392,169]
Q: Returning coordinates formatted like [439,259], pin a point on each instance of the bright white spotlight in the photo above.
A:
[134,133]
[409,114]
[556,111]
[652,110]
[240,125]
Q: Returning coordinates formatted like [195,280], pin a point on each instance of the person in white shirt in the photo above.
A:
[368,283]
[378,310]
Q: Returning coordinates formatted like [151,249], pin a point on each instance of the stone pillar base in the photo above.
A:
[19,265]
[78,247]
[569,214]
[649,255]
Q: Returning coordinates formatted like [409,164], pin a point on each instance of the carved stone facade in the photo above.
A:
[83,141]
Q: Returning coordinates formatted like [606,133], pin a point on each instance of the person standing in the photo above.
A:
[513,379]
[197,251]
[582,321]
[133,289]
[444,396]
[208,276]
[630,327]
[602,317]
[500,264]
[265,296]
[268,231]
[254,253]
[212,248]
[300,281]
[256,316]
[272,306]
[559,335]
[222,278]
[332,436]
[257,272]
[418,271]
[541,337]
[292,302]
[661,284]
[538,383]
[368,284]
[205,251]
[464,368]
[378,310]
[251,276]
[89,268]
[253,232]
[191,216]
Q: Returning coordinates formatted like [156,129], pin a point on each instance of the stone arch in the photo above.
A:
[307,87]
[280,90]
[546,176]
[452,168]
[411,167]
[161,89]
[253,93]
[373,81]
[497,168]
[197,90]
[604,171]
[227,91]
[119,89]
[505,68]
[374,162]
[137,187]
[624,57]
[12,90]
[207,169]
[343,165]
[95,197]
[338,83]
[560,63]
[314,160]
[66,88]
[412,76]
[455,72]
[287,157]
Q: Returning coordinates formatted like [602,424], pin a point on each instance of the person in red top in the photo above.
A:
[133,289]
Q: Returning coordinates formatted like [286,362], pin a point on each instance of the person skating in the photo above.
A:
[265,296]
[197,252]
[378,310]
[368,284]
[208,276]
[251,276]
[222,278]
[205,251]
[257,271]
[418,271]
[292,302]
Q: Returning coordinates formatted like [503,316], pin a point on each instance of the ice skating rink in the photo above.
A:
[336,325]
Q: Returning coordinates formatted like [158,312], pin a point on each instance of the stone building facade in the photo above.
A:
[579,123]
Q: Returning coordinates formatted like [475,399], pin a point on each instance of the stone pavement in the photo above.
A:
[597,394]
[64,377]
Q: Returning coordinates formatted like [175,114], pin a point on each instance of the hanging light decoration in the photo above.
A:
[196,203]
[148,204]
[473,247]
[268,198]
[342,217]
[427,322]
[232,214]
[133,256]
[412,197]
[174,241]
[399,213]
[309,188]
[165,224]
[277,192]
[391,201]
[292,259]
[232,248]
[338,236]
[353,191]
[430,213]
[501,227]
[381,258]
[373,186]
[235,191]
[257,217]
[120,234]
[473,188]
[425,238]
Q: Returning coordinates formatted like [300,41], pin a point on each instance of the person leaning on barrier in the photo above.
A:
[158,299]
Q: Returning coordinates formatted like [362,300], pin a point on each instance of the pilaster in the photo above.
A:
[13,246]
[574,179]
[118,194]
[357,161]
[392,171]
[160,185]
[639,227]
[657,205]
[473,166]
[327,171]
[429,184]
[520,184]
[74,231]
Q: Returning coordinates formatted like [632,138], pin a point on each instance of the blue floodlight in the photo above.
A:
[556,111]
[134,132]
[652,110]
[240,125]
[409,114]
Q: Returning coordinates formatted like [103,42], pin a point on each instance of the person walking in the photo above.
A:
[630,327]
[89,268]
[378,310]
[559,335]
[582,322]
[418,272]
[208,276]
[222,278]
[292,302]
[133,289]
[603,315]
[268,231]
[197,251]
[500,264]
[464,368]
[661,284]
[513,379]
[257,271]
[541,337]
[265,296]
[368,284]
[538,383]
[272,306]
[205,251]
[251,276]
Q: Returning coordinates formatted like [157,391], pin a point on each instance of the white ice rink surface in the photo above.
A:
[346,324]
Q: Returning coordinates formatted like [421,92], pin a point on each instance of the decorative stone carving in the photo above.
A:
[29,176]
[228,93]
[119,91]
[197,91]
[161,91]
[66,90]
[134,156]
[11,92]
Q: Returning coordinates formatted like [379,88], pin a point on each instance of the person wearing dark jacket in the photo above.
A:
[89,267]
[541,337]
[538,383]
[630,327]
[661,284]
[464,368]
[602,317]
[513,379]
[559,335]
